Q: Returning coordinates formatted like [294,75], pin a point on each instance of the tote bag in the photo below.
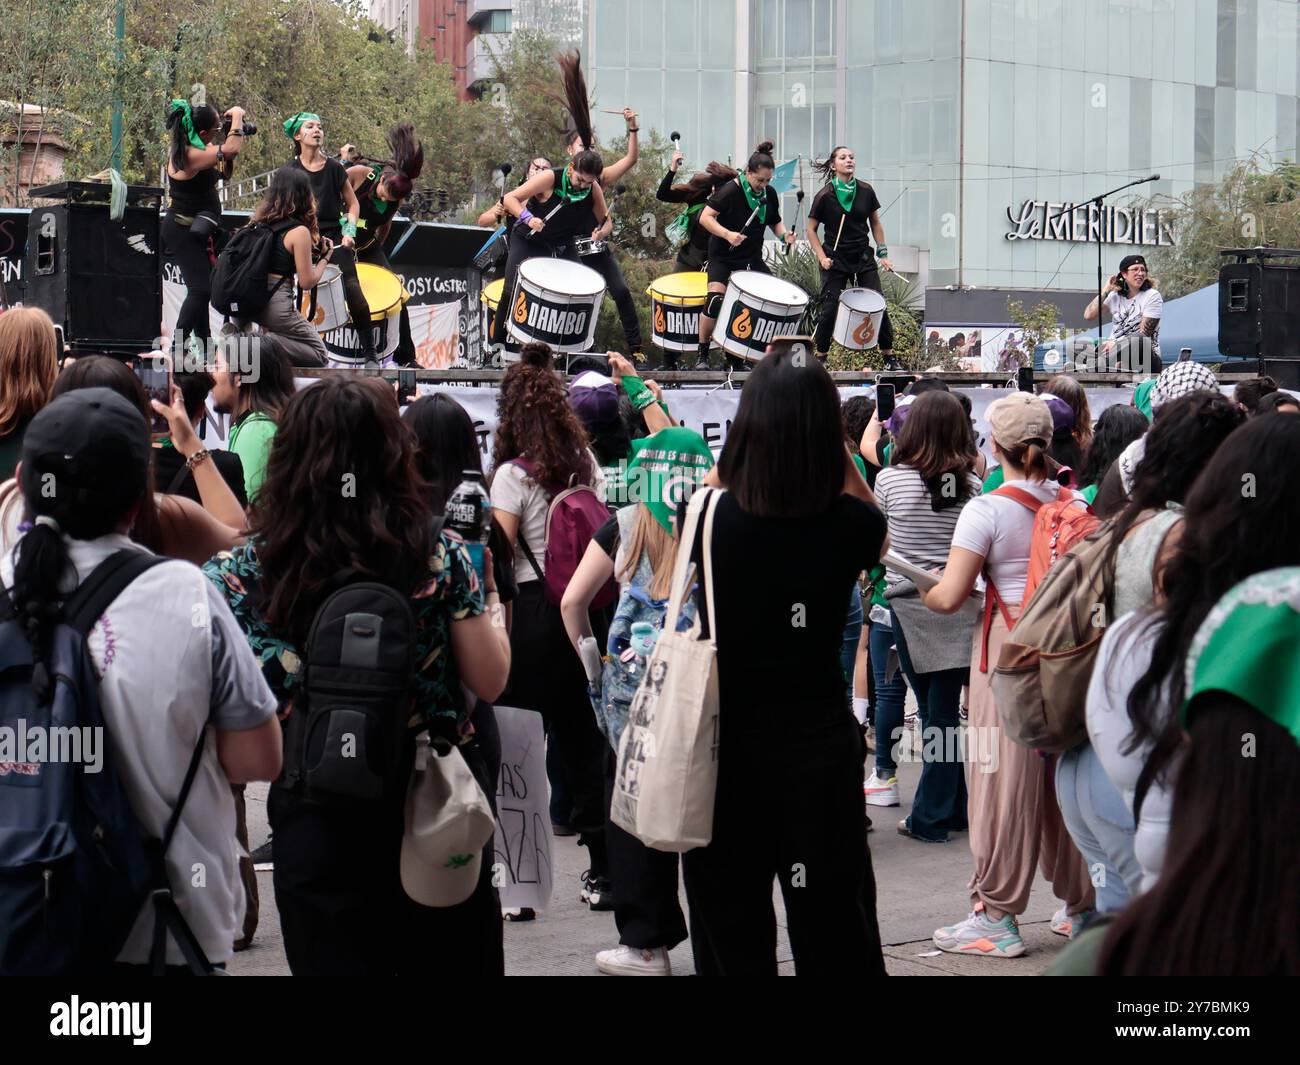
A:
[667,773]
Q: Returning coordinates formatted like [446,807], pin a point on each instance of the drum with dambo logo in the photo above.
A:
[385,295]
[757,308]
[676,301]
[857,325]
[555,302]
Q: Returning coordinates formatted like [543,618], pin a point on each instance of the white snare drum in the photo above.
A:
[757,308]
[343,344]
[585,246]
[555,302]
[325,306]
[857,324]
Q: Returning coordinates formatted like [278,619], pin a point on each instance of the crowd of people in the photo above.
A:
[908,551]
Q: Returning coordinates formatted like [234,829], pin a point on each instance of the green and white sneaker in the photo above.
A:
[979,936]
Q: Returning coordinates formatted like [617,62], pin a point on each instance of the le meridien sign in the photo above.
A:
[1042,220]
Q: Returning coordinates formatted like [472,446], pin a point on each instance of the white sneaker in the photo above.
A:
[881,792]
[631,961]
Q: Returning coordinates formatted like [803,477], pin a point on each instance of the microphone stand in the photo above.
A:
[1098,200]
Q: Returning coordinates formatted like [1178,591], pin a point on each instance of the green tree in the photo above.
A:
[1039,324]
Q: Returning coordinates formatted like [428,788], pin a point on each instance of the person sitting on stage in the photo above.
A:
[337,211]
[694,194]
[197,159]
[1135,306]
[849,209]
[736,215]
[380,191]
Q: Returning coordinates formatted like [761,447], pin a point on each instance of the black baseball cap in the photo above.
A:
[95,443]
[1131,260]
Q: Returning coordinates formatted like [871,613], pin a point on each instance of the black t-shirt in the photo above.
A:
[733,211]
[375,213]
[607,537]
[855,239]
[782,588]
[168,464]
[327,186]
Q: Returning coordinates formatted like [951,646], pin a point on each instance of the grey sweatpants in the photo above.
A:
[286,331]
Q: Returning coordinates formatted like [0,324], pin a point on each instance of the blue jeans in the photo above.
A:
[939,806]
[890,696]
[1100,825]
[852,631]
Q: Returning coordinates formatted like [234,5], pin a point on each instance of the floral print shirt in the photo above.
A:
[451,593]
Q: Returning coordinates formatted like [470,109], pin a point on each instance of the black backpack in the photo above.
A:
[239,279]
[75,866]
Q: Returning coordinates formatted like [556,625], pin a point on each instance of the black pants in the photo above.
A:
[191,255]
[646,909]
[519,249]
[789,806]
[546,676]
[606,265]
[358,309]
[405,353]
[342,909]
[835,281]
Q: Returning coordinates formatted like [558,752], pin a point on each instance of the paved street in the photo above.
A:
[920,886]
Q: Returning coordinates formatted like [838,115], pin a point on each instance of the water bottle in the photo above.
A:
[469,515]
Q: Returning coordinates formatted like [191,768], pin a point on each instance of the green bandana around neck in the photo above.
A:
[664,468]
[293,123]
[754,199]
[1247,647]
[570,196]
[187,123]
[846,192]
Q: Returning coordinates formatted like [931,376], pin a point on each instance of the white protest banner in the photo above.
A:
[522,867]
[435,332]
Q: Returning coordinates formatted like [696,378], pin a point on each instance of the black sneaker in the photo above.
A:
[597,892]
[563,830]
[262,857]
[519,913]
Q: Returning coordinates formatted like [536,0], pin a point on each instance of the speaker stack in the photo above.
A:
[98,278]
[1259,310]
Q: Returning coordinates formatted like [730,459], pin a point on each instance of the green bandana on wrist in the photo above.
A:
[754,199]
[1247,648]
[187,123]
[294,122]
[570,196]
[846,192]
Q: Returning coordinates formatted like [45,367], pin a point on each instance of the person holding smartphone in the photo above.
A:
[1135,306]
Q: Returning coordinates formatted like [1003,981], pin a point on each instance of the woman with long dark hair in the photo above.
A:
[922,494]
[788,544]
[197,159]
[337,884]
[849,209]
[1242,516]
[694,194]
[289,209]
[1118,426]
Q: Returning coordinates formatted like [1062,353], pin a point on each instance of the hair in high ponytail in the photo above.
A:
[587,160]
[710,178]
[408,161]
[762,158]
[204,116]
[826,167]
[537,354]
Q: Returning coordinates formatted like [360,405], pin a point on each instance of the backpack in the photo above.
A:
[572,519]
[346,740]
[239,278]
[76,868]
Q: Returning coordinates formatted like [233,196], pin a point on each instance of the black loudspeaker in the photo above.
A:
[1259,304]
[99,279]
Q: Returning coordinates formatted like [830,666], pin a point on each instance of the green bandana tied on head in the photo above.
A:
[846,192]
[187,123]
[1247,648]
[294,122]
[754,199]
[570,196]
[664,469]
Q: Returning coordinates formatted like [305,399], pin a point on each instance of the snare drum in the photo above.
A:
[585,246]
[555,302]
[324,306]
[676,301]
[857,324]
[386,295]
[489,298]
[757,308]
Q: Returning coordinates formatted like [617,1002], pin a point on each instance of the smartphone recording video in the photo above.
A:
[155,373]
[884,402]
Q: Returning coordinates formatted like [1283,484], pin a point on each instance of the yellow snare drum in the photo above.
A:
[489,297]
[676,303]
[383,290]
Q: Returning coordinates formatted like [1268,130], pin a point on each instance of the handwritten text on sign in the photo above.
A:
[522,858]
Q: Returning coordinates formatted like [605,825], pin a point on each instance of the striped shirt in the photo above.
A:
[917,532]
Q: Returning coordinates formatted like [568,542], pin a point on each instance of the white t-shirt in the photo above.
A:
[170,657]
[514,492]
[1123,658]
[1001,530]
[1127,314]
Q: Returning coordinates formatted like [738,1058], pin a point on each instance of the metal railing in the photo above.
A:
[245,188]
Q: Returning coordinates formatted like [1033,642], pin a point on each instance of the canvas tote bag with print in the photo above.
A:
[667,772]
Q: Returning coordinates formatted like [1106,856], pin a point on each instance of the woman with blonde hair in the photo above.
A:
[29,363]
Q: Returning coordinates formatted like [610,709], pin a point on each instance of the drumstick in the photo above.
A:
[836,245]
[547,218]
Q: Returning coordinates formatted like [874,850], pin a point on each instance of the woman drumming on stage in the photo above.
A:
[693,254]
[337,211]
[380,191]
[847,207]
[198,159]
[736,215]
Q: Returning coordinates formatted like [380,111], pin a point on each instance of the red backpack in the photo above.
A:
[572,519]
[1058,526]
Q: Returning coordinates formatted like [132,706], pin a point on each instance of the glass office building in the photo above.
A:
[976,120]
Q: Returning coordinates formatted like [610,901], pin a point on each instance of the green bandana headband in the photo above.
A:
[846,192]
[1247,648]
[294,122]
[187,123]
[664,469]
[752,198]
